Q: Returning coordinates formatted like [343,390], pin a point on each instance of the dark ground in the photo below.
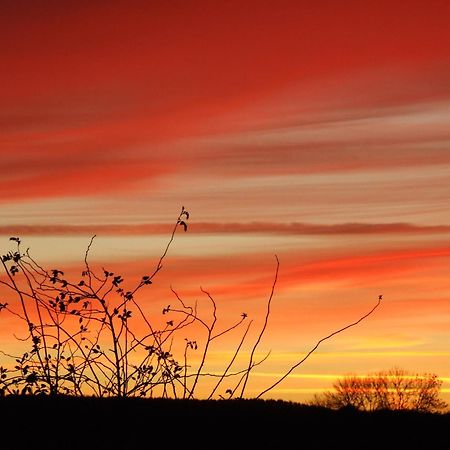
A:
[108,424]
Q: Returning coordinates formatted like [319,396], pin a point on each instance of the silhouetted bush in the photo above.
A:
[85,337]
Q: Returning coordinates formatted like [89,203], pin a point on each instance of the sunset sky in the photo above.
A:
[315,131]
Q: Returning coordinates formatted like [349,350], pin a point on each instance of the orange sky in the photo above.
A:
[317,131]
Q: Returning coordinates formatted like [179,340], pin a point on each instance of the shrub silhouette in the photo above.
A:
[395,389]
[83,339]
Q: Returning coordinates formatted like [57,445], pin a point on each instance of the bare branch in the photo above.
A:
[317,346]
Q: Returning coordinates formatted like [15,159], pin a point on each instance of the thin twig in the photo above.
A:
[266,320]
[208,342]
[225,372]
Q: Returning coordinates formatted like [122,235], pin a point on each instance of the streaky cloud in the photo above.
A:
[293,228]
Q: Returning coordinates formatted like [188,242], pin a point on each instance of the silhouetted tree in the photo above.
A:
[395,389]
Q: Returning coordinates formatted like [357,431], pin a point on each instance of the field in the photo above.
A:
[108,424]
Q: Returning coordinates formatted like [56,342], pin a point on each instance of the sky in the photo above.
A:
[315,131]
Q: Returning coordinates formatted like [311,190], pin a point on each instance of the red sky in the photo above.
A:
[317,131]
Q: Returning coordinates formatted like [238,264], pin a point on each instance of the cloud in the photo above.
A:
[297,228]
[256,99]
[84,178]
[339,137]
[294,228]
[382,265]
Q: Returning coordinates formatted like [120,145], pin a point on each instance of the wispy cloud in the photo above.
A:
[256,101]
[294,228]
[340,139]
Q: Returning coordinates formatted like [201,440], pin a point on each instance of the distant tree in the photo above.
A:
[395,389]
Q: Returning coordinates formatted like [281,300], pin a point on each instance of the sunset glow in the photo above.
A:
[315,131]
